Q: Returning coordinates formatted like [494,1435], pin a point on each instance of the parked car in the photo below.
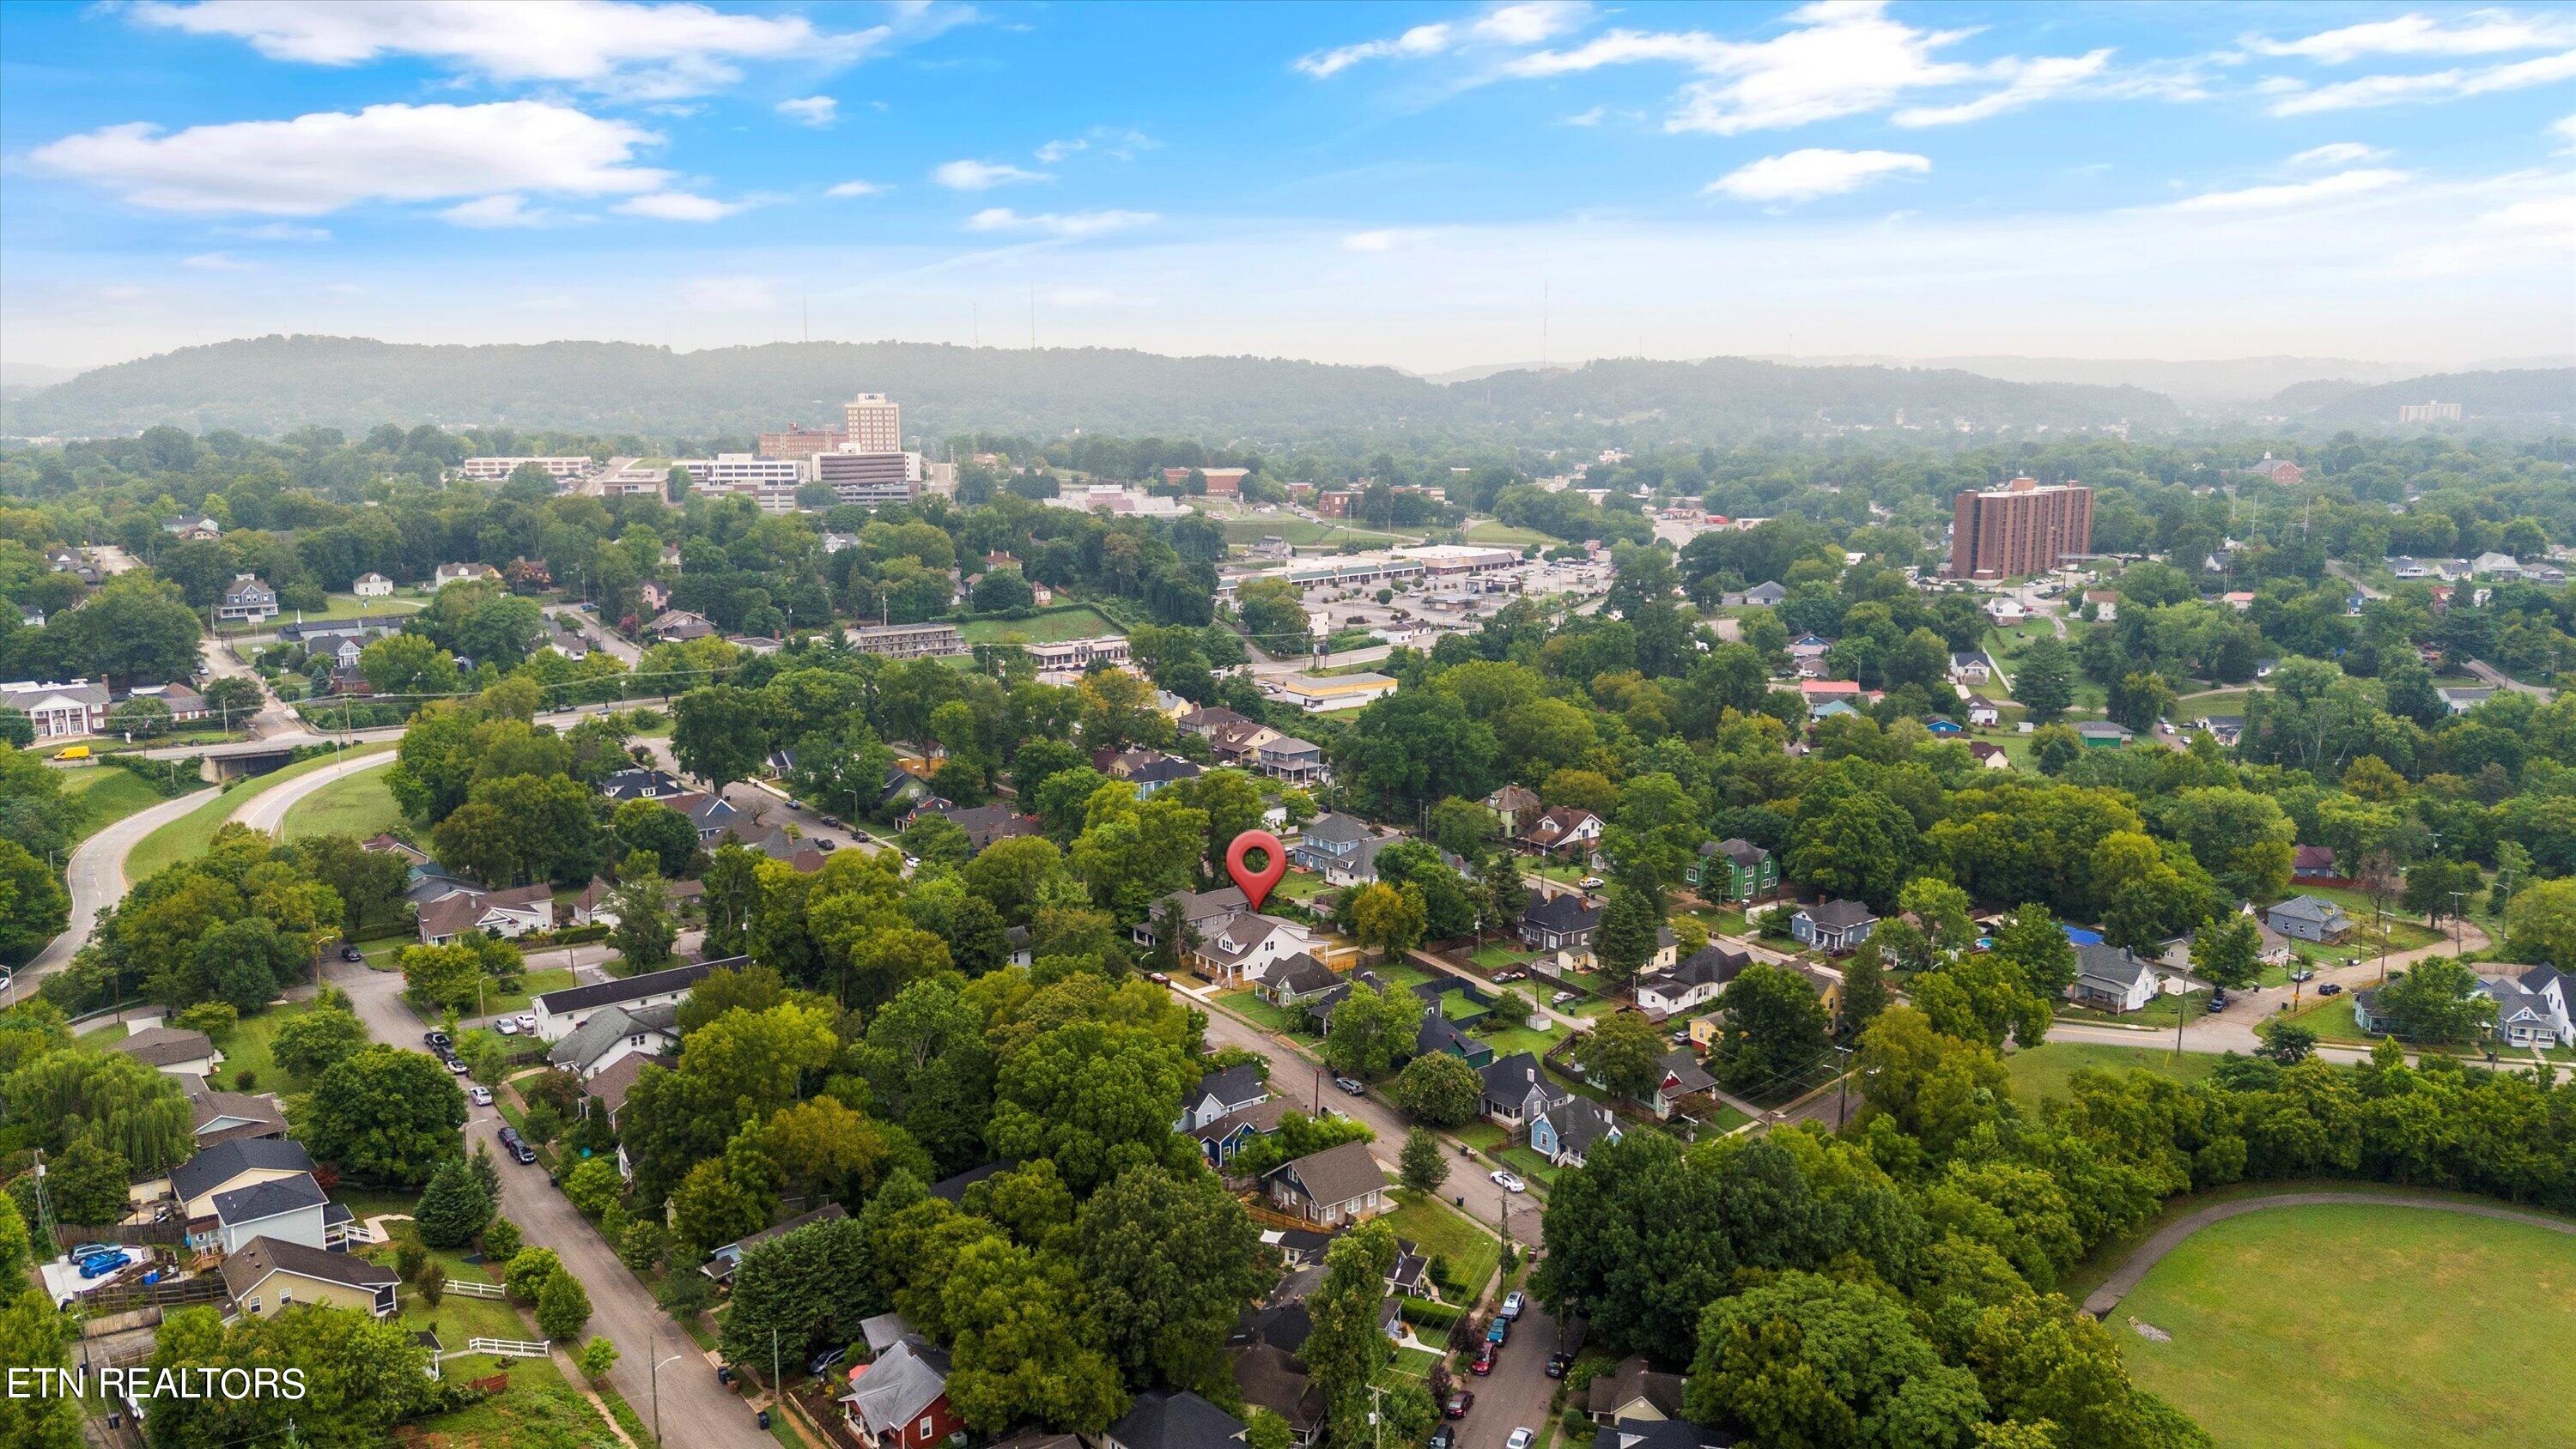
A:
[2303,974]
[832,820]
[351,953]
[1459,1403]
[1562,997]
[2217,1002]
[1484,1363]
[1158,978]
[2331,988]
[1558,1363]
[795,804]
[1444,1437]
[1521,1439]
[527,1021]
[1498,1332]
[505,1026]
[1508,1181]
[436,1039]
[1351,1085]
[860,835]
[1591,882]
[479,1096]
[823,1362]
[457,1066]
[1512,1305]
[513,1144]
[99,1265]
[1515,974]
[89,1250]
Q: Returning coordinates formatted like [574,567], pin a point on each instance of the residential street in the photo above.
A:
[1515,1394]
[267,810]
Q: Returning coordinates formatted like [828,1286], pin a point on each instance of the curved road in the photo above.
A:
[267,809]
[95,878]
[2170,1236]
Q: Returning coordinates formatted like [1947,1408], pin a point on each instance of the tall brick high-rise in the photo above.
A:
[2020,528]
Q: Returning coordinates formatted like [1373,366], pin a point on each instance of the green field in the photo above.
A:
[246,1048]
[190,834]
[2043,1071]
[1081,621]
[1308,532]
[2359,1325]
[1490,530]
[360,805]
[1441,1231]
[106,795]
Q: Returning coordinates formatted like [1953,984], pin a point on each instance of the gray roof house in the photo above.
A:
[1518,1088]
[889,1396]
[1219,1093]
[1337,1185]
[1163,1419]
[289,1209]
[1566,1133]
[2111,978]
[617,1032]
[1833,926]
[2309,918]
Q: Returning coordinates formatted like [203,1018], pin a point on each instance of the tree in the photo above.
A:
[407,666]
[1775,1030]
[2228,951]
[528,1272]
[384,1115]
[720,733]
[2045,684]
[87,1182]
[13,1240]
[1345,1349]
[133,629]
[563,1307]
[1372,1029]
[310,1043]
[1624,1055]
[594,1187]
[802,1290]
[1422,1164]
[651,826]
[1021,1355]
[1388,918]
[596,1358]
[2540,923]
[2138,699]
[1170,1261]
[1438,1090]
[1097,1097]
[1865,992]
[362,1375]
[2038,947]
[2286,1042]
[1814,1361]
[644,930]
[1627,938]
[34,1336]
[454,1207]
[2436,1002]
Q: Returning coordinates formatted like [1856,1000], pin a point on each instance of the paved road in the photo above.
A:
[267,809]
[1515,1394]
[695,1409]
[2118,1286]
[587,625]
[96,877]
[2501,680]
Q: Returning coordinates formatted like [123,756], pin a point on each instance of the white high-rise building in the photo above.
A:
[874,424]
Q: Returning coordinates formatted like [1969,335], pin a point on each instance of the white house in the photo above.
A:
[2111,978]
[614,1034]
[247,600]
[172,1050]
[512,913]
[373,586]
[290,1209]
[1693,983]
[59,711]
[561,1013]
[1221,1094]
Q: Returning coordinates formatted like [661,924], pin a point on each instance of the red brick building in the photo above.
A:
[2020,528]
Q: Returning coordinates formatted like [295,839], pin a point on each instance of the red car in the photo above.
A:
[1459,1403]
[1484,1363]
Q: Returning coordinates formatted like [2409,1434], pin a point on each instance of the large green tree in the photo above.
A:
[1774,1032]
[1170,1261]
[1806,1360]
[385,1116]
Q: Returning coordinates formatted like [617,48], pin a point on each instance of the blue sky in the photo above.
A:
[1398,183]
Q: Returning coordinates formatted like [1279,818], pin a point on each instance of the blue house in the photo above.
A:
[1567,1132]
[1944,727]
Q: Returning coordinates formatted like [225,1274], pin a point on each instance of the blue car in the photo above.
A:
[99,1265]
[1499,1332]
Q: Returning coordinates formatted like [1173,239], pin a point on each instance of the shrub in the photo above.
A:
[408,1256]
[430,1282]
[214,1018]
[500,1240]
[563,1308]
[528,1271]
[1424,1313]
[594,1186]
[245,1079]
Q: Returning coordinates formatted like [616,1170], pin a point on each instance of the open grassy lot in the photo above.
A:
[246,1049]
[106,796]
[2157,1013]
[2353,1325]
[2043,1071]
[1441,1231]
[1261,1013]
[1081,621]
[190,834]
[360,805]
[1494,530]
[1308,532]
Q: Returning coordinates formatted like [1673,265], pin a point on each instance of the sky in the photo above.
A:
[1423,185]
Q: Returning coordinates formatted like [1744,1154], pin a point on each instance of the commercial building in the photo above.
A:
[1315,693]
[2428,412]
[908,641]
[1073,656]
[769,482]
[799,443]
[870,479]
[494,470]
[2020,528]
[872,423]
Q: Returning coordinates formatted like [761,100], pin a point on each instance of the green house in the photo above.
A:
[1735,870]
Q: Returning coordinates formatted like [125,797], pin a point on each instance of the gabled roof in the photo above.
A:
[1710,965]
[1580,1124]
[1162,1419]
[250,1114]
[903,1382]
[2114,968]
[1301,974]
[1238,1083]
[592,1039]
[953,1188]
[1335,828]
[268,1199]
[618,1078]
[162,1045]
[2312,857]
[225,1161]
[634,988]
[250,1265]
[2103,729]
[1513,1078]
[1838,914]
[2308,908]
[1683,1074]
[1562,913]
[1632,1381]
[1336,1174]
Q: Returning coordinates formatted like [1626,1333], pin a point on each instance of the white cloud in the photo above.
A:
[1587,118]
[1532,21]
[1837,58]
[276,231]
[2440,85]
[1421,40]
[855,188]
[1119,142]
[2479,32]
[215,262]
[1814,172]
[1059,224]
[982,175]
[2300,193]
[2031,82]
[2564,128]
[640,51]
[1383,241]
[730,294]
[494,212]
[677,206]
[322,162]
[810,110]
[2338,153]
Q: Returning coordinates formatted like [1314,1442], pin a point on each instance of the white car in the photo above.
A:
[1508,1181]
[527,1021]
[457,1066]
[479,1096]
[1591,882]
[1562,997]
[505,1026]
[1521,1439]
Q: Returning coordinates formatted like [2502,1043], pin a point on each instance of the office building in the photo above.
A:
[494,470]
[801,443]
[908,641]
[2428,412]
[870,478]
[2021,528]
[874,424]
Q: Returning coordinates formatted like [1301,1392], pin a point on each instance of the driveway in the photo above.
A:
[1515,1394]
[695,1409]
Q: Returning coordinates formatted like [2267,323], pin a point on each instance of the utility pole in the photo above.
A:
[2458,904]
[1842,1091]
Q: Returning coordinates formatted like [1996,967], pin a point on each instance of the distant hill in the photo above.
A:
[2211,383]
[271,384]
[2525,397]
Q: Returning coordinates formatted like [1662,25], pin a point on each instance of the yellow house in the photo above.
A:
[269,1276]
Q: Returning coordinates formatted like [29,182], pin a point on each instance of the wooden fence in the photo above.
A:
[138,1234]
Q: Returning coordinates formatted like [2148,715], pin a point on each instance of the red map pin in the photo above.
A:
[1256,884]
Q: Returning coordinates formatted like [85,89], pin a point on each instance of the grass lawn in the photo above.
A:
[359,806]
[1498,956]
[1441,1231]
[1494,530]
[1252,1008]
[2157,1013]
[1081,621]
[531,986]
[2043,1071]
[2346,1325]
[1307,532]
[1518,1039]
[188,836]
[1300,885]
[106,795]
[246,1049]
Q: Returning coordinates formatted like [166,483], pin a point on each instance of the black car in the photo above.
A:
[439,1041]
[825,1361]
[517,1147]
[2331,988]
[1443,1437]
[1558,1363]
[350,953]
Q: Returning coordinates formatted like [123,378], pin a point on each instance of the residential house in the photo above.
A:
[2102,734]
[2310,918]
[721,1263]
[1989,756]
[225,1116]
[510,914]
[59,711]
[2111,978]
[1518,1088]
[2105,603]
[1942,727]
[1692,983]
[2005,609]
[372,586]
[193,528]
[174,1050]
[1148,770]
[710,815]
[1341,848]
[2314,862]
[246,600]
[1220,1140]
[1438,1033]
[1833,926]
[1318,693]
[2535,1010]
[1661,1434]
[1734,869]
[1300,978]
[1634,1391]
[225,1167]
[678,626]
[1245,947]
[1971,667]
[609,1089]
[1683,1077]
[289,1209]
[1561,922]
[2227,729]
[627,785]
[1566,1132]
[1291,760]
[1516,808]
[1982,713]
[983,824]
[2461,701]
[1565,830]
[1764,595]
[1272,1378]
[1338,1185]
[900,1399]
[268,1276]
[1232,738]
[461,573]
[614,1034]
[1219,1094]
[1166,1419]
[561,1013]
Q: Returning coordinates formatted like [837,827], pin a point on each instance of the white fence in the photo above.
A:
[507,1347]
[476,1288]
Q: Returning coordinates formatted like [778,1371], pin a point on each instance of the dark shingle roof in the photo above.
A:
[268,1199]
[1238,1083]
[245,1268]
[1838,914]
[633,988]
[225,1161]
[1161,1419]
[161,1045]
[1562,913]
[1337,1174]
